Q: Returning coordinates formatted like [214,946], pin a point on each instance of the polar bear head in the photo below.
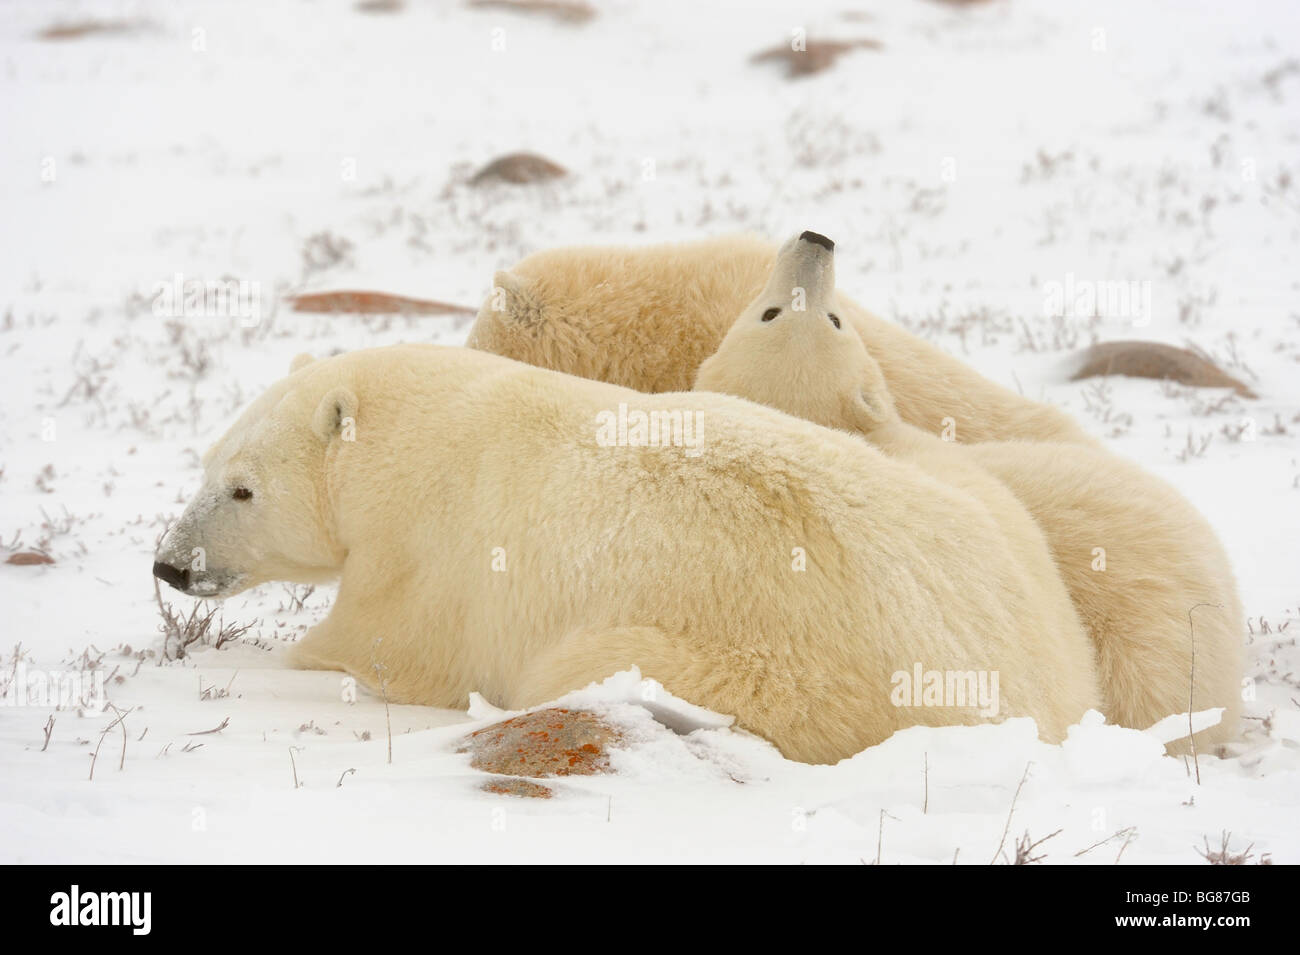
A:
[262,511]
[790,350]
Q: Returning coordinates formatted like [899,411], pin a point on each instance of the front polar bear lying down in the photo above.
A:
[1135,556]
[647,317]
[502,528]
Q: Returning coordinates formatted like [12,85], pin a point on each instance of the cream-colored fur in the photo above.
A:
[488,540]
[647,317]
[1147,574]
[1134,555]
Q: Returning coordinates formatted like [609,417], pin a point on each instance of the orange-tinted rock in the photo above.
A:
[565,11]
[29,557]
[374,303]
[514,786]
[77,29]
[549,742]
[817,56]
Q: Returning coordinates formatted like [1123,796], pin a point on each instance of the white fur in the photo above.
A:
[685,564]
[646,317]
[1135,556]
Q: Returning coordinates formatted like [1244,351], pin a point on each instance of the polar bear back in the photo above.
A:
[784,573]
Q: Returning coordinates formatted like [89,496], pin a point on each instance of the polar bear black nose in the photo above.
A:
[819,239]
[180,579]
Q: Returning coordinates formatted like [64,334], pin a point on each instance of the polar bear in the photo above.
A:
[647,317]
[1146,573]
[507,529]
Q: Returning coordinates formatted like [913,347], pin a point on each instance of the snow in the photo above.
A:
[1178,726]
[981,158]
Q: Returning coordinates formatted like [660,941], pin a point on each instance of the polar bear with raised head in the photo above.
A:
[1145,571]
[646,317]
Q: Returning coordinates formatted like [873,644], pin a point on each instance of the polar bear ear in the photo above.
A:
[508,282]
[337,409]
[788,245]
[300,361]
[873,408]
[509,293]
[871,401]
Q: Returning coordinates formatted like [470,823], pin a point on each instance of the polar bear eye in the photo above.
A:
[241,494]
[834,319]
[770,314]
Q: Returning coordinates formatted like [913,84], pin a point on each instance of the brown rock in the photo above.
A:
[518,168]
[819,55]
[1155,360]
[514,786]
[28,557]
[380,6]
[77,29]
[565,11]
[374,303]
[549,742]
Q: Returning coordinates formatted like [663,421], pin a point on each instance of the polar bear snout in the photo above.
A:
[803,273]
[818,239]
[201,584]
[172,576]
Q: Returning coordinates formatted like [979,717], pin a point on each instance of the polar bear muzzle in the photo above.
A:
[172,576]
[818,239]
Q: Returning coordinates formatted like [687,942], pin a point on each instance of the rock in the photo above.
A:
[565,11]
[1137,359]
[518,168]
[549,742]
[76,30]
[817,56]
[29,557]
[374,303]
[514,786]
[380,6]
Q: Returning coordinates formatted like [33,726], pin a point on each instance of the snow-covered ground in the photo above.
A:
[980,155]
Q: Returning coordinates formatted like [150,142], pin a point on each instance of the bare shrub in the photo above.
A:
[201,626]
[1225,856]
